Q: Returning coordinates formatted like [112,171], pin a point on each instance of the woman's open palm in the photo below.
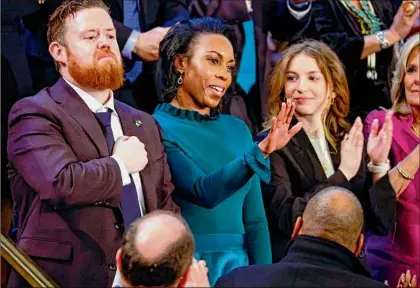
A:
[280,134]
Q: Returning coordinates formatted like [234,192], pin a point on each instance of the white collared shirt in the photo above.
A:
[117,131]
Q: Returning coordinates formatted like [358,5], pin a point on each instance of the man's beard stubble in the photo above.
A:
[98,76]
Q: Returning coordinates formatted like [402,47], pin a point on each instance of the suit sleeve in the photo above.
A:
[198,187]
[40,154]
[283,204]
[256,227]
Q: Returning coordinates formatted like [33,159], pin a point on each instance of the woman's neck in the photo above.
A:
[312,125]
[188,103]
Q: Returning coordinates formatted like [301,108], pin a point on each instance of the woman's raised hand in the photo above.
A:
[280,134]
[351,150]
[379,141]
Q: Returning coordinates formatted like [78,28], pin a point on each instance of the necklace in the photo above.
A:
[416,130]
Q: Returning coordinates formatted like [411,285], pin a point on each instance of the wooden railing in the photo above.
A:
[24,265]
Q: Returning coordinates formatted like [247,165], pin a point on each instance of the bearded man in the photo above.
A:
[83,166]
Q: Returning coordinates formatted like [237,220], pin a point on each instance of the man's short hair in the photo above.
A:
[328,216]
[57,22]
[166,269]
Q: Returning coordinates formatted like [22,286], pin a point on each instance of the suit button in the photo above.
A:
[112,267]
[117,226]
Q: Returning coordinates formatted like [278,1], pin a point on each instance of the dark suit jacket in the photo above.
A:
[297,175]
[67,189]
[310,262]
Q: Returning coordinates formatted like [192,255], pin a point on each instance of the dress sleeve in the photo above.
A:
[209,190]
[256,228]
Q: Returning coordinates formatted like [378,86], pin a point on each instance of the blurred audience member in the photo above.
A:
[361,32]
[326,152]
[323,252]
[158,251]
[401,251]
[215,165]
[76,179]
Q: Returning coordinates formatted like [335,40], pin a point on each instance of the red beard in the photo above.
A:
[101,75]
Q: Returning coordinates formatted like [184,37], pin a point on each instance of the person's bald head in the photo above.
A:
[157,250]
[335,214]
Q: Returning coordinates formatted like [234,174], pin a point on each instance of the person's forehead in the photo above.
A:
[214,42]
[89,19]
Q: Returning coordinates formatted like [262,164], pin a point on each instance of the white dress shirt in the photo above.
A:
[97,107]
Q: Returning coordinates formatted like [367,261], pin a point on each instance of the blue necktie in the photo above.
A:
[247,69]
[129,201]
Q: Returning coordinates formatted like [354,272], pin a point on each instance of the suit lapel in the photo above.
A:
[121,4]
[305,156]
[71,102]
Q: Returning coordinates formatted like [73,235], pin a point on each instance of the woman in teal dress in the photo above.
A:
[215,166]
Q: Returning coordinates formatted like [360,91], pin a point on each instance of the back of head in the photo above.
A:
[180,40]
[157,250]
[334,214]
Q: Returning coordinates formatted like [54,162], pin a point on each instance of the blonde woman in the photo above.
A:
[327,151]
[390,255]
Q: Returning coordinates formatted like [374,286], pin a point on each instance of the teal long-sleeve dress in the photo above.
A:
[216,169]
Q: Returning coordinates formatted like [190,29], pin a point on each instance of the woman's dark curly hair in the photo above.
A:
[180,39]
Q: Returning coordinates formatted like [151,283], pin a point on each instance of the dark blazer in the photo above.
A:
[310,262]
[297,175]
[67,189]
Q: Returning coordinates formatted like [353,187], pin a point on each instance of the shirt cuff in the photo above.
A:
[299,11]
[248,6]
[124,173]
[130,44]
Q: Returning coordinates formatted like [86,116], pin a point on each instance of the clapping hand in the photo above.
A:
[280,134]
[379,142]
[406,280]
[196,275]
[351,150]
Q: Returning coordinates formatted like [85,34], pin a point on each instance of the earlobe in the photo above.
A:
[179,63]
[298,227]
[359,245]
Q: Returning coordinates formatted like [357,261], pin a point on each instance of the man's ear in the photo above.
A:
[298,227]
[359,244]
[118,259]
[180,63]
[58,52]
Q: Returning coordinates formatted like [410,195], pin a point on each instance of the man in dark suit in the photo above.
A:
[327,240]
[158,251]
[83,165]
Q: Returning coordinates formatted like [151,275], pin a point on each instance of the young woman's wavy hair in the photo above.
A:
[180,40]
[334,116]
[398,97]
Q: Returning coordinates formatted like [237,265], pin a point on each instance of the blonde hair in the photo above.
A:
[335,124]
[399,100]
